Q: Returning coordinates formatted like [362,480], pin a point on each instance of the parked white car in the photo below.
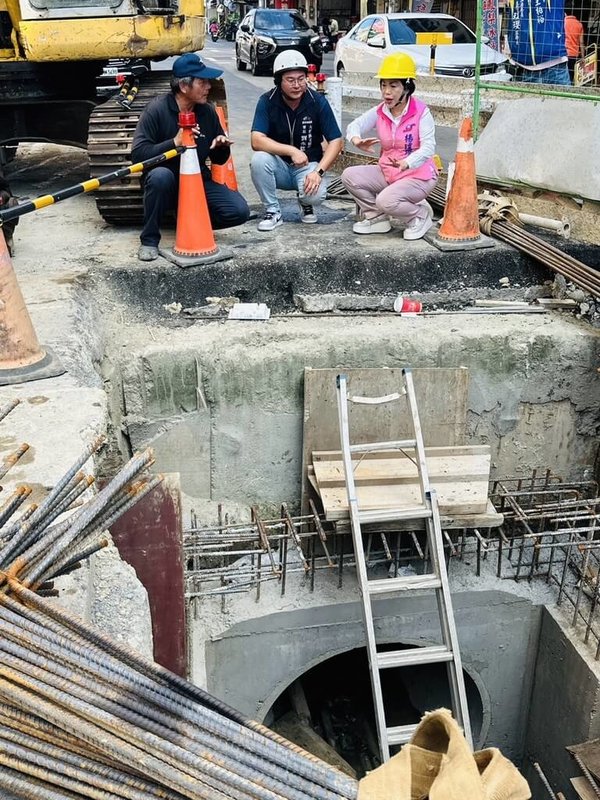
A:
[376,36]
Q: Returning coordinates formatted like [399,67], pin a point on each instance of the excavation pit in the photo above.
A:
[221,402]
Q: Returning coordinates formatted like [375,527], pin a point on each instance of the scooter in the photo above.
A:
[325,43]
[231,32]
[213,29]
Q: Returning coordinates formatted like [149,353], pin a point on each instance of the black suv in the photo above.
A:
[266,32]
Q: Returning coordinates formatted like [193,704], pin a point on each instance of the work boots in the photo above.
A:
[438,764]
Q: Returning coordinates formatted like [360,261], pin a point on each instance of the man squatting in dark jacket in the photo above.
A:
[158,131]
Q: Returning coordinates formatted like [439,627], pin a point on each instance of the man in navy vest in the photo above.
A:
[296,139]
[535,40]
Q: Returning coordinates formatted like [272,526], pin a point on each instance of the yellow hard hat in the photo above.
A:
[398,65]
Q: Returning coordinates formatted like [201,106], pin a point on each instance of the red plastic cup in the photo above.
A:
[405,305]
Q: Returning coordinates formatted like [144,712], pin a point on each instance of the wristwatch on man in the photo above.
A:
[320,172]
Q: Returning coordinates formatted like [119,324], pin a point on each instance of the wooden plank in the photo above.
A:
[431,452]
[488,519]
[464,498]
[583,788]
[441,396]
[461,482]
[457,468]
[589,753]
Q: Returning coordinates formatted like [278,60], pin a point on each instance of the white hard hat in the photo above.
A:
[288,60]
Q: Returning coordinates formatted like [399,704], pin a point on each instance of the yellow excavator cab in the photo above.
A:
[52,54]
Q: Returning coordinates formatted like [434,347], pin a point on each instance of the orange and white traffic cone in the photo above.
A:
[194,238]
[22,358]
[224,173]
[459,229]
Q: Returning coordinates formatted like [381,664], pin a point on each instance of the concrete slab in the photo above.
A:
[321,259]
[532,158]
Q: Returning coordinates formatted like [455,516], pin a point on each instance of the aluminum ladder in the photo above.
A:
[436,580]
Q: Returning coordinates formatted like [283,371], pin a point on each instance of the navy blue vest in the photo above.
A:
[300,127]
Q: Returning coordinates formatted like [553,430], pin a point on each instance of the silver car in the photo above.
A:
[379,35]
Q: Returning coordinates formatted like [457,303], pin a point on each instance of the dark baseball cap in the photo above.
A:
[191,65]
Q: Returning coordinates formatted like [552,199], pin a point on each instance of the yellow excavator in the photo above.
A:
[53,54]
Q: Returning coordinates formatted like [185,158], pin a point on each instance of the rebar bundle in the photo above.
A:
[84,717]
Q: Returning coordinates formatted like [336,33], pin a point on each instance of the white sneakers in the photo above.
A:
[271,221]
[414,230]
[375,225]
[417,228]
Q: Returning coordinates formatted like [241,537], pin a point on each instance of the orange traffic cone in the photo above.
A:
[194,238]
[224,173]
[459,229]
[21,357]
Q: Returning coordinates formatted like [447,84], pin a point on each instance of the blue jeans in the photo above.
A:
[161,188]
[557,75]
[270,173]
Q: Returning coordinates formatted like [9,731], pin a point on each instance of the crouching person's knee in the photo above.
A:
[347,178]
[388,208]
[159,179]
[262,162]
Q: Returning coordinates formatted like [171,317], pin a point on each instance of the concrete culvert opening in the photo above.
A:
[333,702]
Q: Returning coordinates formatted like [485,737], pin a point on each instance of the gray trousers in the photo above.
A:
[375,196]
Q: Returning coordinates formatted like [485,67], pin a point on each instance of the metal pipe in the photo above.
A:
[509,87]
[118,695]
[584,276]
[66,712]
[6,409]
[228,719]
[116,712]
[87,186]
[13,503]
[87,515]
[111,675]
[18,531]
[476,92]
[12,459]
[544,781]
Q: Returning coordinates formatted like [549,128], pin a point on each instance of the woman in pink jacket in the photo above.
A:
[406,173]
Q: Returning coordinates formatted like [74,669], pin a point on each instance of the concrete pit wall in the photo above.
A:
[564,703]
[222,403]
[498,633]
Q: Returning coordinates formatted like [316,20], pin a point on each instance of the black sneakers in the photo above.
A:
[307,214]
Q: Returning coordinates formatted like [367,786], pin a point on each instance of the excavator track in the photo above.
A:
[109,147]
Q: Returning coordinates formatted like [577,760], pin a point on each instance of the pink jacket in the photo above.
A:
[399,141]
